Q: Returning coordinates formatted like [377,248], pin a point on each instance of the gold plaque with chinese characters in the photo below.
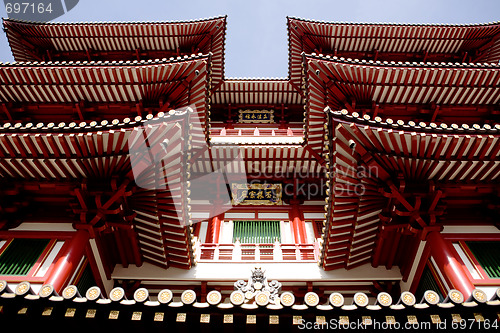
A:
[256,194]
[136,315]
[228,319]
[90,313]
[435,319]
[113,314]
[256,116]
[343,320]
[478,317]
[70,312]
[159,316]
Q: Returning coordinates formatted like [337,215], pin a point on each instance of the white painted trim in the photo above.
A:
[108,284]
[470,229]
[242,215]
[309,232]
[257,140]
[273,216]
[36,226]
[50,259]
[314,203]
[472,270]
[203,232]
[226,232]
[490,291]
[405,286]
[441,277]
[235,271]
[72,280]
[316,215]
[200,215]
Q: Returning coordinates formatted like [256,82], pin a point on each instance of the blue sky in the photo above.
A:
[256,40]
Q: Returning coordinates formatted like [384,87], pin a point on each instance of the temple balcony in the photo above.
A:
[238,252]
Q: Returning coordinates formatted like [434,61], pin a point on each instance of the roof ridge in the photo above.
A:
[106,62]
[215,18]
[395,23]
[412,126]
[267,79]
[403,63]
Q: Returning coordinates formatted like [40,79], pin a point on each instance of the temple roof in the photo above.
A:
[406,83]
[257,91]
[72,152]
[118,41]
[428,91]
[412,153]
[62,82]
[389,41]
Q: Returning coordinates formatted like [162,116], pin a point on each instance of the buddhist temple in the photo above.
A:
[142,189]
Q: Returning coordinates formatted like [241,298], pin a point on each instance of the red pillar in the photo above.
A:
[445,257]
[298,226]
[216,220]
[72,254]
[213,230]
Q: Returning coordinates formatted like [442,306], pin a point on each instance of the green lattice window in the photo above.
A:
[262,232]
[427,282]
[488,256]
[21,255]
[86,280]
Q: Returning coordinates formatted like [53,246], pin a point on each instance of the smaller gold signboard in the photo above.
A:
[256,116]
[113,314]
[47,311]
[159,316]
[136,315]
[228,318]
[70,312]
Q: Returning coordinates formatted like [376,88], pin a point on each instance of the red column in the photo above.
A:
[216,220]
[445,257]
[72,254]
[213,230]
[298,226]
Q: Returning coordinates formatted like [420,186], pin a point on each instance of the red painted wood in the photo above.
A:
[71,255]
[446,259]
[298,224]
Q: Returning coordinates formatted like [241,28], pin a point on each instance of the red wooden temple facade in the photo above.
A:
[369,175]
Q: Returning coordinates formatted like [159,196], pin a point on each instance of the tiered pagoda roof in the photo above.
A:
[392,42]
[117,41]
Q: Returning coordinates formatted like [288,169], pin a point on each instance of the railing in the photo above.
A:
[260,131]
[237,252]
